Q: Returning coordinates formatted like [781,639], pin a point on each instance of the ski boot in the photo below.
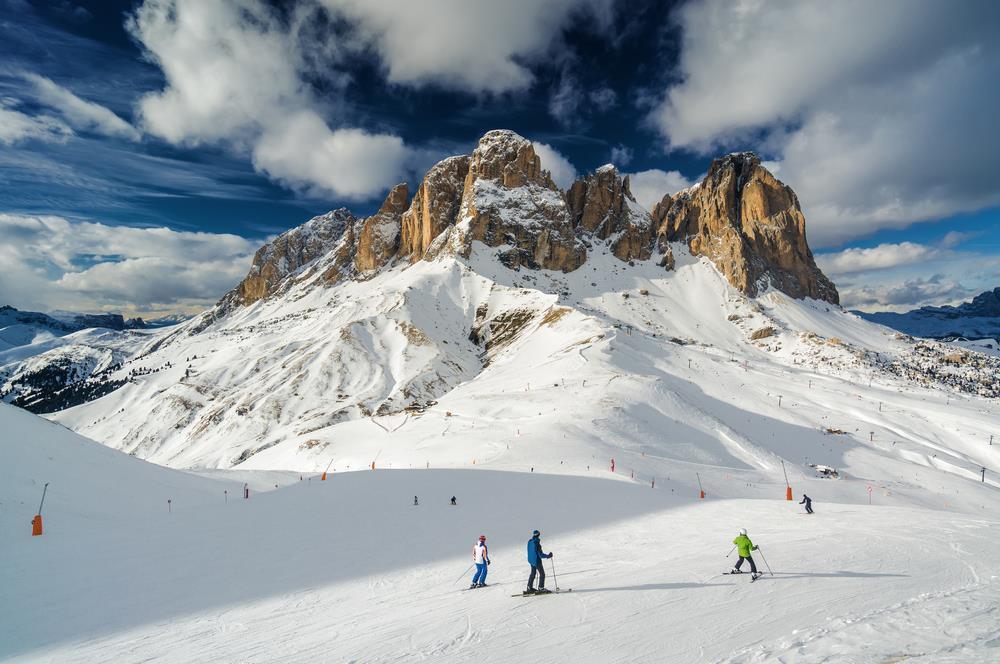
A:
[542,591]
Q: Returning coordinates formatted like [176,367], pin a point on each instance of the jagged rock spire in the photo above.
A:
[750,225]
[603,206]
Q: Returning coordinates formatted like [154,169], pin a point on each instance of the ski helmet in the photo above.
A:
[535,533]
[743,531]
[482,538]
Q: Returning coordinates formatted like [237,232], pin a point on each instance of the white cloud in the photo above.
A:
[16,126]
[81,114]
[621,155]
[563,172]
[880,114]
[471,45]
[905,295]
[955,238]
[242,74]
[895,277]
[649,187]
[882,257]
[54,263]
[565,100]
[603,98]
[351,162]
[235,75]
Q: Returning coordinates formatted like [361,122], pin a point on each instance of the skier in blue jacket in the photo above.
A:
[535,556]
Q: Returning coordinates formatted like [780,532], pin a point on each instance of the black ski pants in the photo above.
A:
[753,567]
[809,508]
[540,569]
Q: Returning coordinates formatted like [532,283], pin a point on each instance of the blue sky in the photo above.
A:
[148,147]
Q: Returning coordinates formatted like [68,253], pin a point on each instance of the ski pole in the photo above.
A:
[555,579]
[465,573]
[765,561]
[730,552]
[44,490]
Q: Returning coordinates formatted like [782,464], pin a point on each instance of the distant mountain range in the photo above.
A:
[62,322]
[44,353]
[978,319]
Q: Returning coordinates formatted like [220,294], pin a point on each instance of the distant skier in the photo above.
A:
[481,557]
[415,503]
[808,502]
[454,501]
[744,546]
[535,556]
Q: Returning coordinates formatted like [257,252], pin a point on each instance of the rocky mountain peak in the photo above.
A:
[379,238]
[434,208]
[602,206]
[290,251]
[509,201]
[741,217]
[509,159]
[750,225]
[986,303]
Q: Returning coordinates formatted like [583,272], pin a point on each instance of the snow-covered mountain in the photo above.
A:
[978,319]
[647,381]
[51,361]
[495,319]
[24,328]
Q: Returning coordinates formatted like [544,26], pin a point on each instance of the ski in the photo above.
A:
[551,592]
[753,576]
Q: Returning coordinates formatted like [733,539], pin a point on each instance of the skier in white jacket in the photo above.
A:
[481,557]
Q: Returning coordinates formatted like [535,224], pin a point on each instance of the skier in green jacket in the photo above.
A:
[744,546]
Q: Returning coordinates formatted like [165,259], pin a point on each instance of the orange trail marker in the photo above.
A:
[36,522]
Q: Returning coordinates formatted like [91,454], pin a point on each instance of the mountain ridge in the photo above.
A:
[977,319]
[745,220]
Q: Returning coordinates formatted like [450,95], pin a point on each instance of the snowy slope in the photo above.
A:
[350,570]
[45,363]
[521,369]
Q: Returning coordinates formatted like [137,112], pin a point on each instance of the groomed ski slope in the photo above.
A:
[349,570]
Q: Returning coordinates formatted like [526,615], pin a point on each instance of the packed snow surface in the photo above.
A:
[348,569]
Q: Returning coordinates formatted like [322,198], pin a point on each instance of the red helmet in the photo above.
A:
[482,538]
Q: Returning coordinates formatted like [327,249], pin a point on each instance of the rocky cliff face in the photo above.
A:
[379,238]
[602,205]
[287,253]
[750,225]
[434,208]
[509,201]
[742,218]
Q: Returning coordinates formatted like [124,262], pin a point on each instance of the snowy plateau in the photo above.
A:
[639,411]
